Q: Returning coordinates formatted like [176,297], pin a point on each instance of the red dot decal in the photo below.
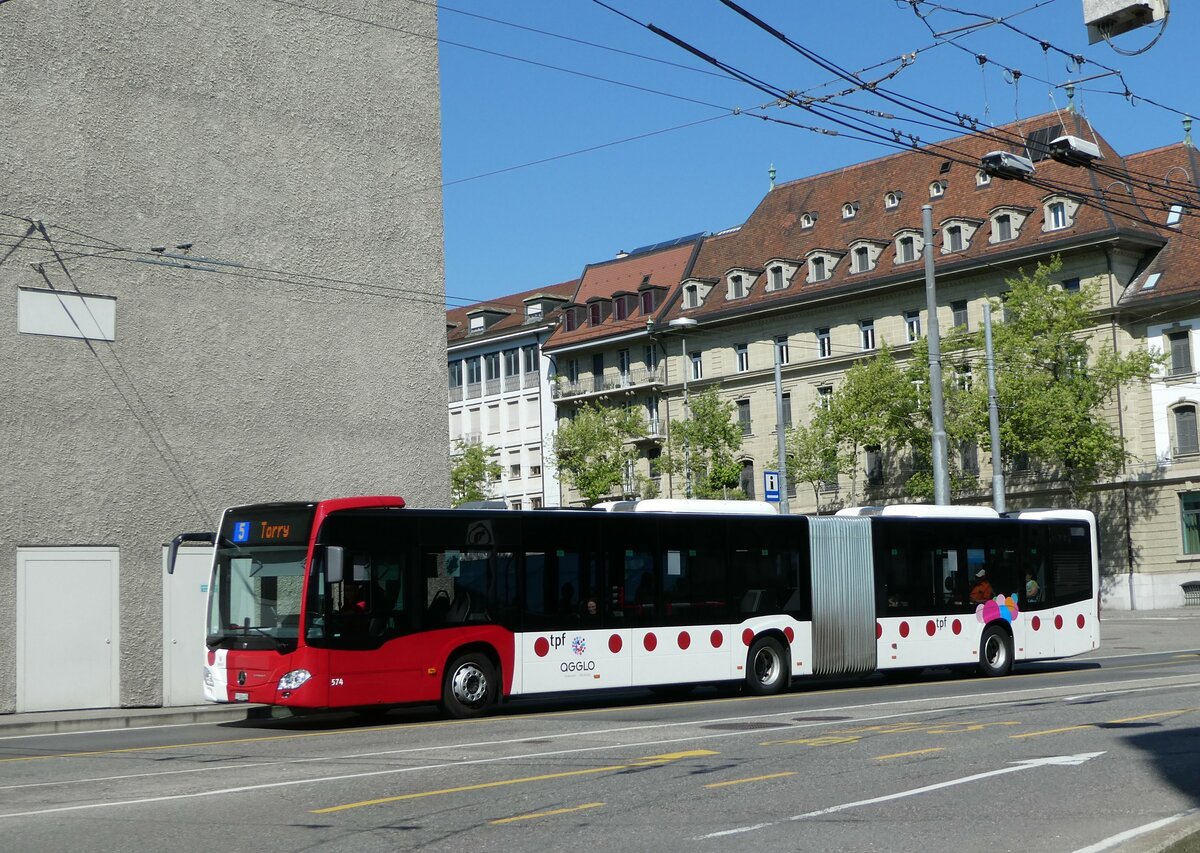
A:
[878,630]
[716,639]
[1036,623]
[1079,621]
[212,658]
[541,647]
[1058,622]
[614,643]
[903,629]
[956,627]
[930,628]
[650,642]
[789,633]
[685,639]
[747,637]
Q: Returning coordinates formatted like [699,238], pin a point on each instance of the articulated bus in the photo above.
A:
[363,603]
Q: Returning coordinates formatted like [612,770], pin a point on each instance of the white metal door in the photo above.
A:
[67,620]
[185,594]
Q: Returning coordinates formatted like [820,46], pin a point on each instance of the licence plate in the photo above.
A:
[241,697]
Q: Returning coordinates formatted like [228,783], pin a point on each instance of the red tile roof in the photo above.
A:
[458,319]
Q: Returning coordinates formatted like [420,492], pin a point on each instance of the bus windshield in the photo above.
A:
[258,579]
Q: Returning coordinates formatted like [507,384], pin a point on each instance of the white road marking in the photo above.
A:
[1051,761]
[1121,837]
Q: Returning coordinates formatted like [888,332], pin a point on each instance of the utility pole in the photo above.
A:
[941,473]
[683,324]
[993,411]
[779,432]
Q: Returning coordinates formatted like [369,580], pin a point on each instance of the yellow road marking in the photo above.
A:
[1053,731]
[1153,716]
[650,761]
[751,779]
[824,740]
[547,814]
[906,754]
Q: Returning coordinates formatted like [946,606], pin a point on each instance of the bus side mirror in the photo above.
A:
[334,555]
[206,538]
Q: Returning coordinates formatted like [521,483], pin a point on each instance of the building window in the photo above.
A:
[962,377]
[874,466]
[570,321]
[825,396]
[647,301]
[598,371]
[1003,226]
[954,238]
[651,357]
[533,311]
[782,352]
[777,278]
[512,362]
[529,357]
[620,308]
[1175,214]
[968,458]
[959,312]
[1186,443]
[912,325]
[848,210]
[866,334]
[937,189]
[697,366]
[1190,510]
[891,201]
[535,503]
[906,249]
[862,259]
[1181,353]
[743,357]
[595,313]
[743,415]
[1070,285]
[747,481]
[807,220]
[456,374]
[491,363]
[982,178]
[817,266]
[654,460]
[1057,213]
[787,410]
[824,344]
[573,370]
[691,296]
[737,287]
[623,363]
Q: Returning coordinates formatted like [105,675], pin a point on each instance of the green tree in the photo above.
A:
[814,454]
[472,472]
[704,447]
[1053,387]
[592,450]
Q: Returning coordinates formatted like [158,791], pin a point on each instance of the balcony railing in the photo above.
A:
[636,377]
[456,393]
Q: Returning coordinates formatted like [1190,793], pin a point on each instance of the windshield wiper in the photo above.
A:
[247,628]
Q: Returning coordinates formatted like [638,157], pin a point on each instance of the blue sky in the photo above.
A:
[697,167]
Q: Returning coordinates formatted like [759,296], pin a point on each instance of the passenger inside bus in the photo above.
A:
[981,590]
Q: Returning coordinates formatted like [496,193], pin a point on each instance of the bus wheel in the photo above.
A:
[995,652]
[766,670]
[470,686]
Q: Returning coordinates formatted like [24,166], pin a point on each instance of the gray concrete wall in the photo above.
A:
[288,140]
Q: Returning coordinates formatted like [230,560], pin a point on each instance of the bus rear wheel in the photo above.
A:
[766,667]
[469,688]
[995,652]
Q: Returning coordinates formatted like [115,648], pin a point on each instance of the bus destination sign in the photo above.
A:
[265,527]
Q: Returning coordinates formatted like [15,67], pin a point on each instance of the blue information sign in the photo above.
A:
[771,486]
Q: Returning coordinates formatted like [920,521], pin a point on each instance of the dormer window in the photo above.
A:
[862,259]
[983,179]
[737,287]
[691,296]
[477,325]
[957,234]
[620,308]
[776,277]
[816,267]
[1002,226]
[533,311]
[595,314]
[647,301]
[864,255]
[891,201]
[570,320]
[954,238]
[1175,215]
[1006,223]
[849,210]
[1058,212]
[821,264]
[937,189]
[807,220]
[908,247]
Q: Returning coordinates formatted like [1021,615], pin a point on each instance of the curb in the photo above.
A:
[57,722]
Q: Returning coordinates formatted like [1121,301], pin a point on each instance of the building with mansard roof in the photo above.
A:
[828,268]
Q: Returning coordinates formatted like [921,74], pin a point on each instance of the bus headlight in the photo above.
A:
[293,679]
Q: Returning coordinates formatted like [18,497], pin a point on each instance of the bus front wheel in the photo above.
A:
[995,652]
[766,667]
[470,686]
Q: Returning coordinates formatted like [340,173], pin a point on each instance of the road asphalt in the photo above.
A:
[1122,632]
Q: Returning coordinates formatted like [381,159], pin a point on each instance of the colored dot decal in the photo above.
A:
[930,628]
[614,643]
[903,629]
[956,627]
[789,633]
[541,647]
[716,639]
[1058,622]
[1080,620]
[878,630]
[747,637]
[1036,622]
[650,642]
[685,639]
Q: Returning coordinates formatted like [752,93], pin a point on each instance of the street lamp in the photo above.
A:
[682,324]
